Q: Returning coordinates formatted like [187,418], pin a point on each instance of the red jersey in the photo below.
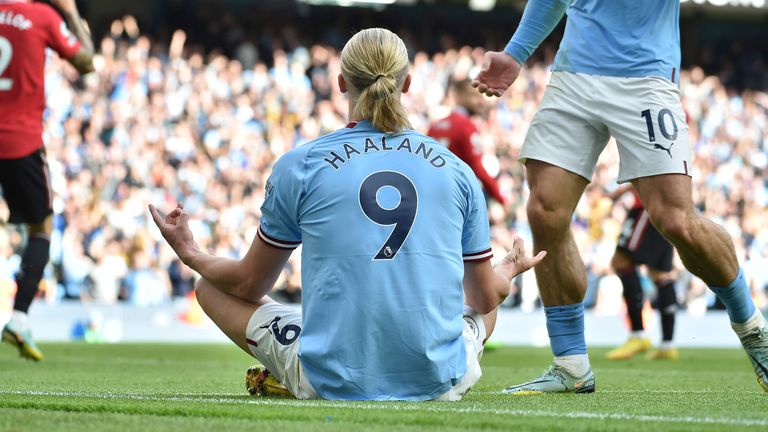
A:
[459,134]
[26,29]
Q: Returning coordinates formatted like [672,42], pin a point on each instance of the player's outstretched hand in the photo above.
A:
[516,262]
[175,230]
[499,71]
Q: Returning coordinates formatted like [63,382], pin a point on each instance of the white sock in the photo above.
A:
[666,345]
[576,365]
[637,334]
[754,322]
[19,320]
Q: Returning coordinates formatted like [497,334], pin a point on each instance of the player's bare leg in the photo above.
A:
[555,192]
[34,259]
[707,251]
[561,277]
[231,314]
[489,321]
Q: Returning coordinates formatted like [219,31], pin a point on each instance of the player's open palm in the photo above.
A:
[175,230]
[516,261]
[499,71]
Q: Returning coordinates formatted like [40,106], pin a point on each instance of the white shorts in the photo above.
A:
[580,112]
[273,337]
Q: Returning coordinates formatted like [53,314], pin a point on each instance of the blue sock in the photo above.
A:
[736,298]
[565,325]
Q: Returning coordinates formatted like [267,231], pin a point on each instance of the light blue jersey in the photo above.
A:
[618,38]
[386,223]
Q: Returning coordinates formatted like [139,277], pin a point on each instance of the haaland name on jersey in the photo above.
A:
[338,159]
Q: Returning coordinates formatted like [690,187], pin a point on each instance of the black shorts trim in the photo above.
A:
[644,244]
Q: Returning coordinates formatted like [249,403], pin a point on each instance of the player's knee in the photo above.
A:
[545,217]
[674,225]
[202,288]
[620,263]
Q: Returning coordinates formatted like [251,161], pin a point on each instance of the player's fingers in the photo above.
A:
[156,216]
[184,218]
[171,217]
[179,205]
[538,258]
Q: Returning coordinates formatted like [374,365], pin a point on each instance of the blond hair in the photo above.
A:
[375,63]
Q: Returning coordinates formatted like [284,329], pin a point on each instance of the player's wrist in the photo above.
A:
[517,52]
[191,256]
[502,270]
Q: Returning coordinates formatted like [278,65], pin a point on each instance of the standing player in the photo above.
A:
[26,30]
[391,224]
[640,243]
[615,74]
[459,134]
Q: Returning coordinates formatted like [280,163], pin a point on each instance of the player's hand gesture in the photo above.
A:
[516,262]
[175,230]
[499,71]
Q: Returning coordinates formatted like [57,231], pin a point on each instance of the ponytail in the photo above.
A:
[375,62]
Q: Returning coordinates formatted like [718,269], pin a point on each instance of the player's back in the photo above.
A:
[383,220]
[26,29]
[456,133]
[622,38]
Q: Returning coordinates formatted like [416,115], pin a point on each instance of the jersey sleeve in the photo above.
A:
[539,19]
[476,234]
[58,36]
[280,212]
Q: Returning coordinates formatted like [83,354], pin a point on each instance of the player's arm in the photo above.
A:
[500,69]
[82,60]
[485,287]
[249,278]
[539,19]
[475,161]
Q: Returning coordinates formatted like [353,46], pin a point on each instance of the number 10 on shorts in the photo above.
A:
[664,113]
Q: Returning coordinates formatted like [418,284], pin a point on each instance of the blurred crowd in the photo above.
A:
[162,123]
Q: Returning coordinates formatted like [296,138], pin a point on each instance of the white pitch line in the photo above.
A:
[400,406]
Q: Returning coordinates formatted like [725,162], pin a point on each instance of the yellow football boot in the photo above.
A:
[632,347]
[663,354]
[260,382]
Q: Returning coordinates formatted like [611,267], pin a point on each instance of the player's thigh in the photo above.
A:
[564,131]
[621,259]
[646,118]
[26,190]
[230,314]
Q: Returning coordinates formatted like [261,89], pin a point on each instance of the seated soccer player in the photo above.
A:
[395,240]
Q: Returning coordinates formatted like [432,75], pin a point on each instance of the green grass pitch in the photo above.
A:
[150,387]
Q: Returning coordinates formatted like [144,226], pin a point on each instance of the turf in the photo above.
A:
[201,387]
